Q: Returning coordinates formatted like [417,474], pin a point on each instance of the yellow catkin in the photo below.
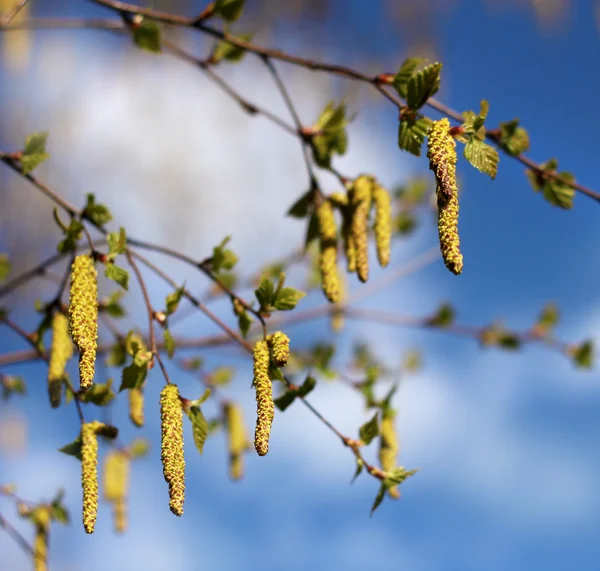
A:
[328,251]
[280,348]
[265,407]
[238,441]
[136,406]
[360,199]
[83,316]
[171,446]
[383,224]
[89,473]
[120,516]
[40,548]
[441,151]
[388,448]
[60,353]
[116,484]
[348,240]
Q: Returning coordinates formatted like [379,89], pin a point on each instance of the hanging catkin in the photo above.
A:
[89,473]
[441,151]
[360,200]
[83,316]
[60,353]
[171,446]
[328,251]
[383,224]
[280,348]
[388,448]
[265,408]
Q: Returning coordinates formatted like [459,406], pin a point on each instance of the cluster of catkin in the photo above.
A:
[364,195]
[274,350]
[441,151]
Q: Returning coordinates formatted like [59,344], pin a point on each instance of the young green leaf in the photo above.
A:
[583,355]
[423,85]
[148,36]
[307,386]
[173,299]
[199,427]
[369,430]
[99,214]
[4,266]
[265,293]
[73,448]
[300,208]
[406,71]
[229,10]
[224,51]
[482,156]
[117,242]
[133,376]
[117,274]
[359,468]
[285,400]
[412,132]
[223,258]
[72,236]
[288,298]
[444,317]
[379,497]
[514,139]
[99,394]
[34,152]
[169,343]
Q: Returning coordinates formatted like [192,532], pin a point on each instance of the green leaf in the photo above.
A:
[205,395]
[547,319]
[312,231]
[412,132]
[4,266]
[244,322]
[378,498]
[199,427]
[117,242]
[423,85]
[229,10]
[224,51]
[406,71]
[300,208]
[474,123]
[482,156]
[133,376]
[223,258]
[405,222]
[138,448]
[221,376]
[116,356]
[73,448]
[58,511]
[173,299]
[307,386]
[34,152]
[554,191]
[397,476]
[514,139]
[583,355]
[285,400]
[99,394]
[359,468]
[331,134]
[444,317]
[369,430]
[265,293]
[12,385]
[169,343]
[112,305]
[288,298]
[509,341]
[147,36]
[72,236]
[117,274]
[97,213]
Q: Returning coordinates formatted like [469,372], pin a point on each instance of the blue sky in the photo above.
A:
[507,443]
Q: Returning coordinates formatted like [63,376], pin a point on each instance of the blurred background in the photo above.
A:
[507,443]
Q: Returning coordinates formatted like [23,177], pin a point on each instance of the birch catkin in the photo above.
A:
[383,224]
[171,446]
[328,251]
[280,348]
[116,484]
[83,316]
[360,199]
[60,353]
[40,549]
[388,448]
[265,408]
[238,442]
[89,473]
[441,151]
